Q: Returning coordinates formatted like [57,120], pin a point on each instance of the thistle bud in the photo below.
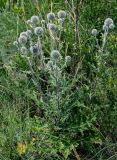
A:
[94,32]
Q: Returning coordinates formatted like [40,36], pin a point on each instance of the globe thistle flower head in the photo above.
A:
[61,14]
[55,55]
[108,21]
[94,32]
[23,34]
[23,50]
[29,33]
[50,65]
[60,20]
[52,27]
[34,19]
[111,26]
[68,59]
[34,49]
[29,22]
[38,31]
[51,16]
[22,40]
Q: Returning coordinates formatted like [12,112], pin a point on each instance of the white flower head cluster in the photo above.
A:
[30,40]
[51,16]
[61,17]
[108,24]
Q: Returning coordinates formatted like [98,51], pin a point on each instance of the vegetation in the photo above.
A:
[58,89]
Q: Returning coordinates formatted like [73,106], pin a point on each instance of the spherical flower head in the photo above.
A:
[61,14]
[23,34]
[108,21]
[94,32]
[111,26]
[22,40]
[34,19]
[38,31]
[52,27]
[51,16]
[23,50]
[50,65]
[60,21]
[55,55]
[34,49]
[29,33]
[68,59]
